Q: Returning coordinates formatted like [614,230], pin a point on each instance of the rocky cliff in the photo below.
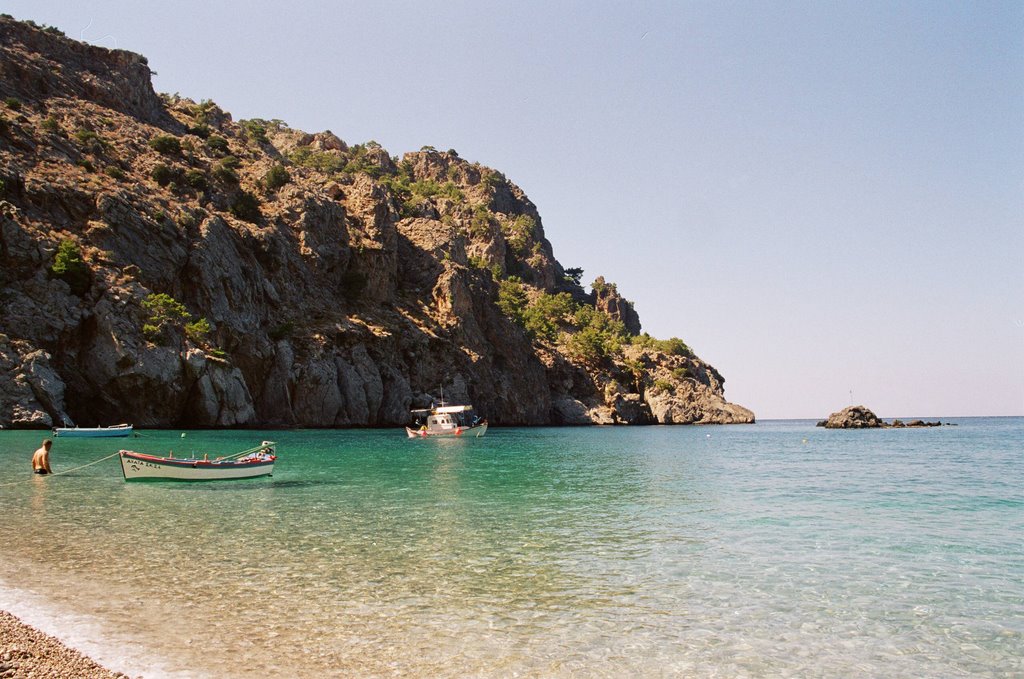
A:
[163,264]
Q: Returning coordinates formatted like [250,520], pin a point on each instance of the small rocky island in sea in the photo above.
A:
[165,264]
[859,417]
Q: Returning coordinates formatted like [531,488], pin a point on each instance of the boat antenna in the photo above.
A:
[442,394]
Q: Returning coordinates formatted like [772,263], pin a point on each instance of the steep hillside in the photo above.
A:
[163,264]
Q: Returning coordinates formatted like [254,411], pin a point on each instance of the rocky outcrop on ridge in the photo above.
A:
[608,300]
[859,417]
[164,264]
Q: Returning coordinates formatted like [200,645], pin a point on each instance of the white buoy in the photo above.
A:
[182,434]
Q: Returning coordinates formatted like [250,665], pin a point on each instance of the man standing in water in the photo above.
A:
[41,458]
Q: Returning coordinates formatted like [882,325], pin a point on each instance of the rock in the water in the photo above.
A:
[922,423]
[853,417]
[859,417]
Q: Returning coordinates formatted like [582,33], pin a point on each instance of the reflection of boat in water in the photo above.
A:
[446,421]
[257,461]
[94,432]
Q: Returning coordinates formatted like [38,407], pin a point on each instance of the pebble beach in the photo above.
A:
[27,652]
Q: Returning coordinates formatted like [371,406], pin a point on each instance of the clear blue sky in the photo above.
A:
[820,198]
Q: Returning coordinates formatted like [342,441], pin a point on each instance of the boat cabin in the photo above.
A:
[444,418]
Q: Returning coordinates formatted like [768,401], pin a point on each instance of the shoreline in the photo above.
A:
[26,651]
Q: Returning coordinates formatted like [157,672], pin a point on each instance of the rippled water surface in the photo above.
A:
[776,549]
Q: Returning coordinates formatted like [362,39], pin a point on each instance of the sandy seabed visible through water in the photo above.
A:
[777,549]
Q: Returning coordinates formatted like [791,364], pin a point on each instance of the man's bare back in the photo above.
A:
[41,458]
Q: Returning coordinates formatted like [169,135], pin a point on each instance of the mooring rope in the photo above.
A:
[102,459]
[66,471]
[87,465]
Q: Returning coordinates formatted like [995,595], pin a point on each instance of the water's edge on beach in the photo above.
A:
[30,651]
[41,636]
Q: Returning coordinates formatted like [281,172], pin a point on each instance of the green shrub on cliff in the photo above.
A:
[217,144]
[512,299]
[166,144]
[425,188]
[276,177]
[492,179]
[452,192]
[246,207]
[162,174]
[518,232]
[201,111]
[573,275]
[224,173]
[90,141]
[115,172]
[69,267]
[328,162]
[586,346]
[480,223]
[664,386]
[597,336]
[198,331]
[166,313]
[599,286]
[53,30]
[672,346]
[682,373]
[589,334]
[360,162]
[255,129]
[197,180]
[544,318]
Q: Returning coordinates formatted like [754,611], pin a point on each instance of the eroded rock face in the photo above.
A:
[116,79]
[29,387]
[685,390]
[608,300]
[343,297]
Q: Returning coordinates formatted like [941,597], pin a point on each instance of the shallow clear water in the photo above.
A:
[776,549]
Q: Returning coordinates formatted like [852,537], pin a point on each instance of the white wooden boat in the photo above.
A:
[94,432]
[258,461]
[446,422]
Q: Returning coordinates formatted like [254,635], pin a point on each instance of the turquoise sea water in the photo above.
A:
[772,550]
